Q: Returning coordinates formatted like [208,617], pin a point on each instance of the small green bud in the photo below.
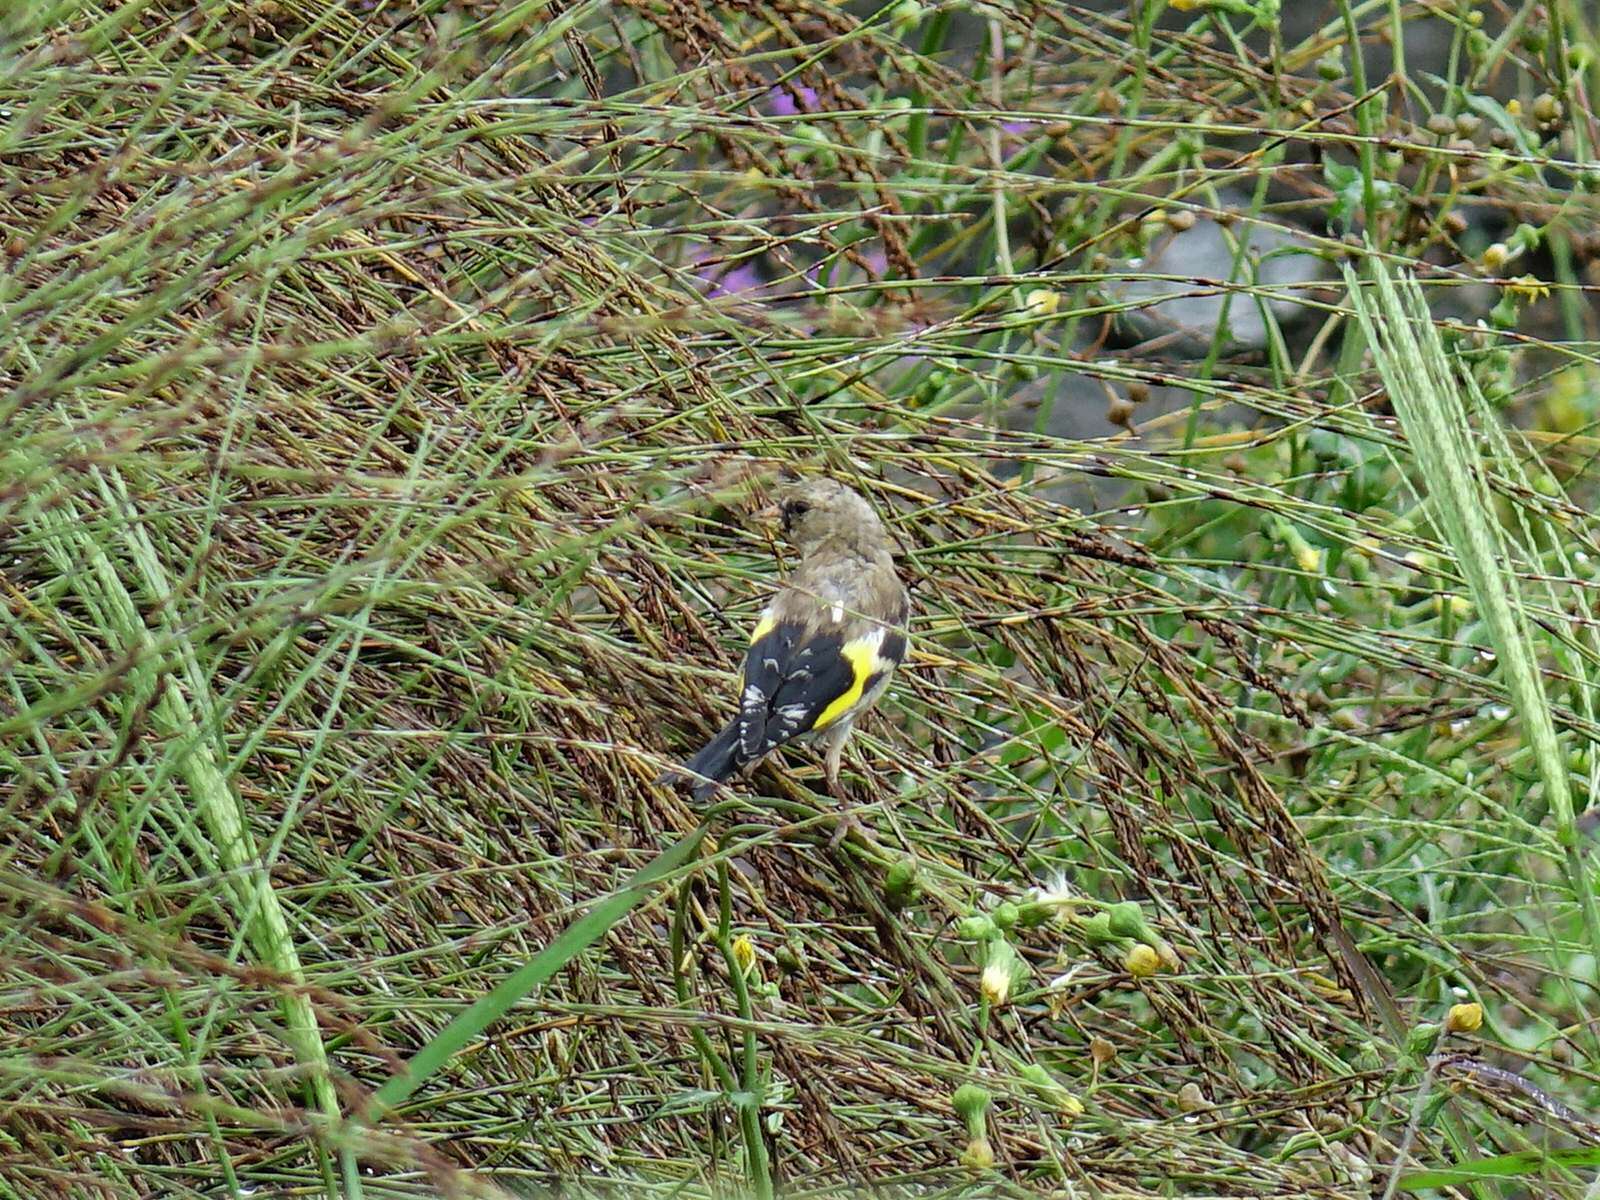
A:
[1005,915]
[1049,1091]
[905,15]
[1503,315]
[1033,913]
[1534,39]
[1331,66]
[1422,1040]
[900,883]
[791,957]
[977,928]
[972,1103]
[1096,930]
[1547,109]
[1127,920]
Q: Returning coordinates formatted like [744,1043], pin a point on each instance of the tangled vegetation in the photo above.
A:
[386,387]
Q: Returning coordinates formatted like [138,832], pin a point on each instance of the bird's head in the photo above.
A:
[819,510]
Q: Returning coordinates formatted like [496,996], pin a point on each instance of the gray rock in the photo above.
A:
[1185,311]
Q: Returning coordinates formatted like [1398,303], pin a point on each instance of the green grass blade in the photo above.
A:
[1420,379]
[575,939]
[1501,1166]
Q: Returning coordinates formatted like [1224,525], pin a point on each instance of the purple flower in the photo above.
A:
[741,278]
[781,100]
[724,279]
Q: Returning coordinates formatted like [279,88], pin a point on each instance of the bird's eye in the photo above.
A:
[793,510]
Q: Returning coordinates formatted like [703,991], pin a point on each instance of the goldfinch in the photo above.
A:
[824,649]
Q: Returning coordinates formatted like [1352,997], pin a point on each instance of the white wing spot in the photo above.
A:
[753,695]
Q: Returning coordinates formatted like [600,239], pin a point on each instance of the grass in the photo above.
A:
[385,390]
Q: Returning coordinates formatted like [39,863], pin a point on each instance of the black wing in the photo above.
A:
[791,676]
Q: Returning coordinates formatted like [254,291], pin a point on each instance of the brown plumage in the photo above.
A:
[824,649]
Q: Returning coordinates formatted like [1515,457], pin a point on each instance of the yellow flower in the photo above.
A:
[1309,558]
[1041,302]
[744,953]
[1464,1018]
[1528,287]
[996,983]
[1142,962]
[979,1154]
[1186,5]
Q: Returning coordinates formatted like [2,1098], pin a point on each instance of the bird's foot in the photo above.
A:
[845,825]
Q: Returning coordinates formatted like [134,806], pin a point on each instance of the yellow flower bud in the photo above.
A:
[1170,962]
[744,953]
[996,983]
[1142,962]
[979,1154]
[1041,302]
[1308,558]
[1464,1018]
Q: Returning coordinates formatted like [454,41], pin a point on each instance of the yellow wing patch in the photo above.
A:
[763,627]
[862,655]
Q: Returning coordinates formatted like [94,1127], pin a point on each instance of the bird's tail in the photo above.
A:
[717,760]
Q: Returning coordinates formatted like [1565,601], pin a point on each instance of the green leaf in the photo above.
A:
[1501,1166]
[576,938]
